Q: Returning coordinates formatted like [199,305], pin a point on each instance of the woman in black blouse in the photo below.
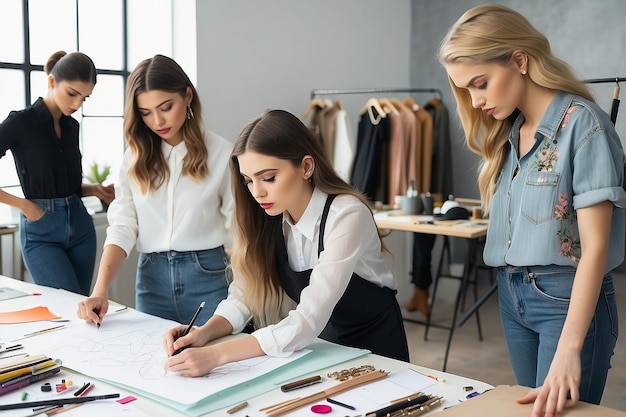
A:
[57,234]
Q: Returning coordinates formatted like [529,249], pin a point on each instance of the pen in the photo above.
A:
[330,400]
[11,348]
[191,323]
[86,390]
[60,401]
[81,389]
[44,330]
[301,383]
[398,406]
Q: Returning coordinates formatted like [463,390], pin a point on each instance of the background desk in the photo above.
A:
[469,230]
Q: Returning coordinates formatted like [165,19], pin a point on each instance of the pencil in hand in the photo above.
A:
[189,327]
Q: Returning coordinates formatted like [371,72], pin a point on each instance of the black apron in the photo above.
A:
[366,316]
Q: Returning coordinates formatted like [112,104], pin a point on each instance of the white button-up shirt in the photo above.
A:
[183,214]
[351,245]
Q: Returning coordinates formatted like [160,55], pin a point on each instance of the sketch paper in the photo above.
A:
[128,350]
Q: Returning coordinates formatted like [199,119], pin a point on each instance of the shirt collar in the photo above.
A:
[44,115]
[554,114]
[551,119]
[179,151]
[310,217]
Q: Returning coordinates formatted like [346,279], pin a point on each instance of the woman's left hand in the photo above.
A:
[105,193]
[562,380]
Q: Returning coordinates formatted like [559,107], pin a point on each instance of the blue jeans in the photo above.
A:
[59,249]
[173,284]
[533,306]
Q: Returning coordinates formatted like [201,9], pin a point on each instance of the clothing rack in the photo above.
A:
[615,102]
[329,92]
[616,80]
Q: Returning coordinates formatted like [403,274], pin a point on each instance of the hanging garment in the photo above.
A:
[328,120]
[345,146]
[441,181]
[402,140]
[367,173]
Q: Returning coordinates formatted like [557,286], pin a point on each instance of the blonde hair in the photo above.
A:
[282,135]
[490,33]
[148,167]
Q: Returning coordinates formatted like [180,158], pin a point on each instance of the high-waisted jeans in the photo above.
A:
[533,305]
[173,284]
[59,249]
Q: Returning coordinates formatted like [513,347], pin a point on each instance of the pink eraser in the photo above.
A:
[126,399]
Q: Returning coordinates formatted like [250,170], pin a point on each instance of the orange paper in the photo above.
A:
[29,315]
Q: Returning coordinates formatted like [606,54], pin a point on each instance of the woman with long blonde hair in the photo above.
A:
[552,179]
[173,200]
[307,258]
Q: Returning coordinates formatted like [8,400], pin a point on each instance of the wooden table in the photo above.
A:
[469,230]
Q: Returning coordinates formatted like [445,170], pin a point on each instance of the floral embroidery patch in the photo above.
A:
[570,243]
[566,118]
[547,156]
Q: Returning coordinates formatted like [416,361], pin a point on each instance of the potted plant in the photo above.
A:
[97,175]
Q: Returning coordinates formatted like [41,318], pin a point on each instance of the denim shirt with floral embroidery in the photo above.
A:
[576,161]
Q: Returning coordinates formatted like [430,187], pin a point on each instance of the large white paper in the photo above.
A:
[128,349]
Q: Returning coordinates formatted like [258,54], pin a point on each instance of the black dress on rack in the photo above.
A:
[367,172]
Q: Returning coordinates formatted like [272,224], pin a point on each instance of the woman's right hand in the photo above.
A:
[32,211]
[93,309]
[173,339]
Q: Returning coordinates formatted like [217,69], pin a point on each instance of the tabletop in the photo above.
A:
[394,220]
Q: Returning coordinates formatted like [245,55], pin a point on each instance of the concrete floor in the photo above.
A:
[488,360]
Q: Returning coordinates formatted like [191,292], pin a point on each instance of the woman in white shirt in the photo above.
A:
[173,200]
[307,258]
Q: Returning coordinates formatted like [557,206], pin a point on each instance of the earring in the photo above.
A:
[523,72]
[189,112]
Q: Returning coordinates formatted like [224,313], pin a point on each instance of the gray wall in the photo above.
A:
[255,55]
[589,35]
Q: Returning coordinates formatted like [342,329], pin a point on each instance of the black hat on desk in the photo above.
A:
[456,213]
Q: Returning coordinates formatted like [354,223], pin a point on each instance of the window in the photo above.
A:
[116,34]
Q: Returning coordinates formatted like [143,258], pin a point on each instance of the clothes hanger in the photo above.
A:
[387,106]
[399,105]
[371,105]
[314,104]
[411,103]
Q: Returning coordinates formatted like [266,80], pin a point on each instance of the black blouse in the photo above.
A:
[48,167]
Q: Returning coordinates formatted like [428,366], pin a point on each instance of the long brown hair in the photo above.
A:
[282,135]
[490,33]
[149,168]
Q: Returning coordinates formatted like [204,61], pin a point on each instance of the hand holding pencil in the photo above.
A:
[93,309]
[173,335]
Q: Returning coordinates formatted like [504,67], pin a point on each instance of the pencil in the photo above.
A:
[188,329]
[60,401]
[44,330]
